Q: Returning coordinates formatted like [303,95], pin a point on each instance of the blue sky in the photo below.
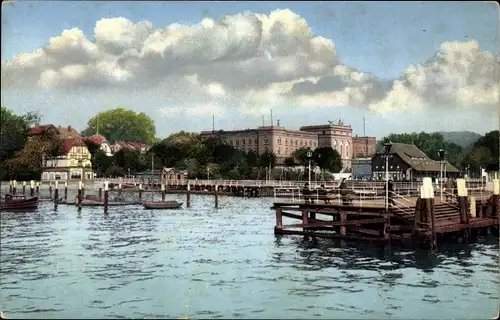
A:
[382,38]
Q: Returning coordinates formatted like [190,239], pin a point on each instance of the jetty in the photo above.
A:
[421,220]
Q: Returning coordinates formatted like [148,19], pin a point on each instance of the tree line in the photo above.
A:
[201,157]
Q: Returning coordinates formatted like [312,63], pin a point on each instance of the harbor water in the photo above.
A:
[206,263]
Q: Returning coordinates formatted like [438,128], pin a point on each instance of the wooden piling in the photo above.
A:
[106,196]
[433,222]
[32,188]
[50,190]
[140,192]
[463,202]
[100,193]
[24,187]
[119,190]
[37,188]
[83,189]
[216,195]
[279,219]
[188,196]
[65,191]
[14,187]
[56,195]
[79,196]
[10,186]
[162,192]
[343,229]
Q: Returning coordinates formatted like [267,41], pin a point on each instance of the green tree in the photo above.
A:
[267,159]
[289,162]
[121,124]
[300,156]
[101,162]
[327,159]
[13,129]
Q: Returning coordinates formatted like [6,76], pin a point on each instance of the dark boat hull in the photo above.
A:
[162,205]
[27,204]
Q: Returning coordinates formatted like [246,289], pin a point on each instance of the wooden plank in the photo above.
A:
[320,223]
[364,230]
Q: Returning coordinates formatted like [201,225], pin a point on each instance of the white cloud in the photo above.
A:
[246,63]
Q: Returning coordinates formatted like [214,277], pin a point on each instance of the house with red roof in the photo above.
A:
[102,142]
[73,161]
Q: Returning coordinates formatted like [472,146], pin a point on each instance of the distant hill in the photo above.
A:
[461,138]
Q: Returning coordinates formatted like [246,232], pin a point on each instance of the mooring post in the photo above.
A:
[24,187]
[100,193]
[66,192]
[188,196]
[83,189]
[32,188]
[50,190]
[10,186]
[343,218]
[14,187]
[79,196]
[463,202]
[279,219]
[56,195]
[119,190]
[140,192]
[37,188]
[106,195]
[216,195]
[162,192]
[428,209]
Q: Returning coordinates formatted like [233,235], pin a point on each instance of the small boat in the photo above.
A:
[18,203]
[162,205]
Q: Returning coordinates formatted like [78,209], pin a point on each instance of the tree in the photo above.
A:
[13,129]
[267,159]
[290,162]
[121,124]
[101,162]
[327,159]
[300,156]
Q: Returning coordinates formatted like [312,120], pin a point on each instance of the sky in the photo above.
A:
[401,66]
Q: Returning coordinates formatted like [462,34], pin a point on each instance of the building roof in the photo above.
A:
[68,133]
[418,160]
[39,129]
[67,144]
[96,139]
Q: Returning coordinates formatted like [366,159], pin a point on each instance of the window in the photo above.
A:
[250,141]
[279,150]
[256,141]
[243,142]
[237,142]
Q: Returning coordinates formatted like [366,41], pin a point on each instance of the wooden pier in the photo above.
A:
[425,223]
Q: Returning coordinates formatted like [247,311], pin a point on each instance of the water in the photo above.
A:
[203,263]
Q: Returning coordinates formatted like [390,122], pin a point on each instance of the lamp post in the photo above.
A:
[309,156]
[441,161]
[387,150]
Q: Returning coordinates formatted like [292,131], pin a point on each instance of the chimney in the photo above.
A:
[278,122]
[69,128]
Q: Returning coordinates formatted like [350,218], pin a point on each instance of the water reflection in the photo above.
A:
[225,263]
